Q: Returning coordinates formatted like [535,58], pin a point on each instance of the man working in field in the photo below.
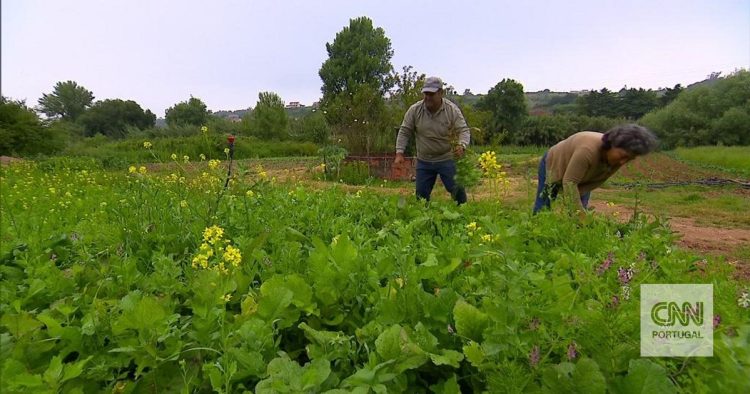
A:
[583,161]
[436,122]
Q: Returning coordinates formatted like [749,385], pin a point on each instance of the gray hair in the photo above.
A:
[633,138]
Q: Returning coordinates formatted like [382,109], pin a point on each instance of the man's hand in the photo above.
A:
[458,151]
[399,158]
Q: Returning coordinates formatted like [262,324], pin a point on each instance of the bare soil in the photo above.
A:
[5,160]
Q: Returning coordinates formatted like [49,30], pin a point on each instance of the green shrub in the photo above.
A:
[355,173]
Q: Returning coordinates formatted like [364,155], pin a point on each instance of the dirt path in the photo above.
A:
[704,240]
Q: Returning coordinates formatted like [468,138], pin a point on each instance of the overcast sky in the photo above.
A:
[159,52]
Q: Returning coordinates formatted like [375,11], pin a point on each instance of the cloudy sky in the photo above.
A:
[160,52]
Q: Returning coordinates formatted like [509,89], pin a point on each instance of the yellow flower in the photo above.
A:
[206,249]
[249,193]
[221,268]
[202,157]
[472,226]
[226,297]
[226,151]
[132,169]
[147,145]
[486,238]
[200,261]
[183,204]
[232,255]
[142,169]
[204,129]
[174,156]
[489,165]
[213,164]
[213,234]
[185,159]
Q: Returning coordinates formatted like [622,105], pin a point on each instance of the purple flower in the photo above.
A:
[615,301]
[624,275]
[534,356]
[717,320]
[605,264]
[572,352]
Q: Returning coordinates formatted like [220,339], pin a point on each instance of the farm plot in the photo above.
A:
[163,281]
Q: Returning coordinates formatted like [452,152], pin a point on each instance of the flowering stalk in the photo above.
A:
[230,153]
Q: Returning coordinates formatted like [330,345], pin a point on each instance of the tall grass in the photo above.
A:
[121,153]
[733,158]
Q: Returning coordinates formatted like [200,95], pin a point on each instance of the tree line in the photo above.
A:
[364,100]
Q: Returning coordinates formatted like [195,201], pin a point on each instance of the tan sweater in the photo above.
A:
[433,131]
[579,159]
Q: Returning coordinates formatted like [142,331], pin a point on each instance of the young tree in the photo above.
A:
[507,104]
[269,119]
[112,118]
[363,121]
[192,112]
[406,91]
[68,100]
[311,127]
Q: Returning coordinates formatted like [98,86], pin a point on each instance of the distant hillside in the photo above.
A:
[297,113]
[546,101]
[226,113]
[710,81]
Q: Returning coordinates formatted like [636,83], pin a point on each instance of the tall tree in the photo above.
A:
[637,102]
[68,100]
[358,72]
[192,112]
[602,103]
[670,94]
[507,104]
[269,119]
[360,54]
[113,118]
